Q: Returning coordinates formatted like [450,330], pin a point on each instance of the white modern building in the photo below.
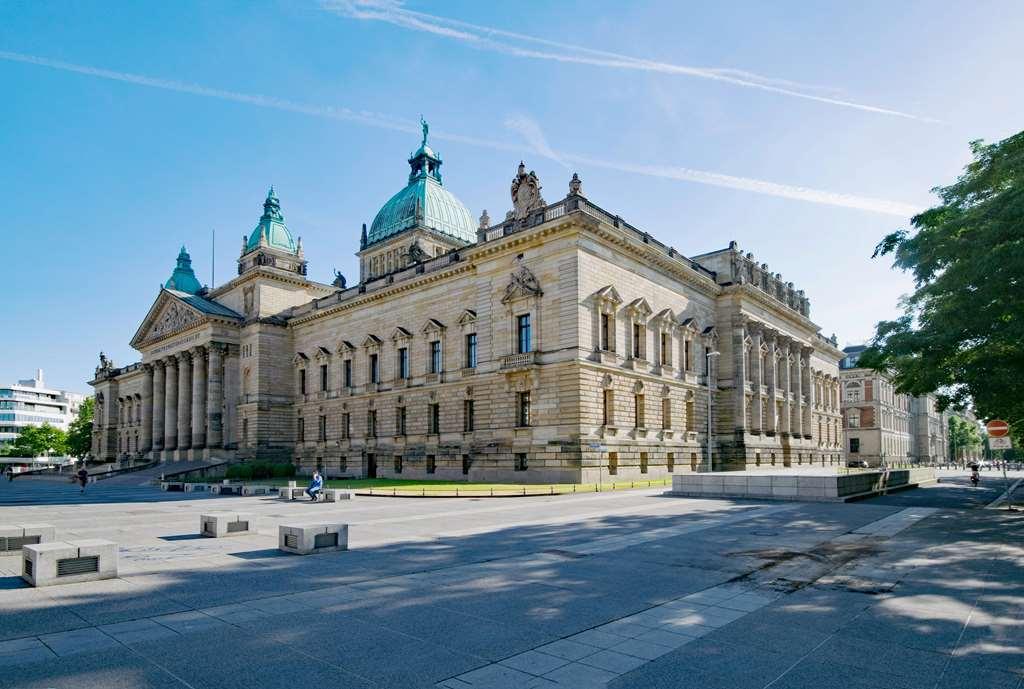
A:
[31,403]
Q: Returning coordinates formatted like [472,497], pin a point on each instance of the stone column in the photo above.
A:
[170,403]
[184,400]
[198,398]
[771,374]
[757,375]
[798,391]
[230,395]
[787,382]
[739,377]
[215,396]
[146,438]
[158,406]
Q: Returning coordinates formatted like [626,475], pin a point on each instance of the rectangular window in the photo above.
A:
[322,428]
[521,463]
[637,338]
[523,339]
[431,464]
[371,423]
[666,349]
[854,445]
[666,413]
[689,416]
[688,355]
[343,464]
[323,378]
[399,420]
[643,462]
[471,350]
[613,463]
[346,425]
[607,412]
[302,381]
[670,462]
[398,464]
[523,408]
[435,356]
[638,421]
[467,462]
[605,331]
[374,368]
[245,431]
[347,367]
[300,431]
[403,363]
[468,422]
[434,418]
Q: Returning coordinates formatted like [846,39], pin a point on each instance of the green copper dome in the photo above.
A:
[271,230]
[183,278]
[424,202]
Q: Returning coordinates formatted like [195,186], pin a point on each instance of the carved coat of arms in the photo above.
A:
[523,284]
[525,193]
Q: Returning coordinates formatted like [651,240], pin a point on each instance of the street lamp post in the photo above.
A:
[707,376]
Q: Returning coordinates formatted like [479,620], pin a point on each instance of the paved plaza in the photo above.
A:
[622,590]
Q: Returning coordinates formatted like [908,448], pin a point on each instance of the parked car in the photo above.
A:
[857,464]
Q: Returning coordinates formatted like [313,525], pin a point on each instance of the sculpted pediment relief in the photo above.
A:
[523,284]
[171,318]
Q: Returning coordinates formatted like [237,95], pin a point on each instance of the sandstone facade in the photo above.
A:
[558,345]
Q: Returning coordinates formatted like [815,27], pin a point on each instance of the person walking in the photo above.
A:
[83,478]
[315,486]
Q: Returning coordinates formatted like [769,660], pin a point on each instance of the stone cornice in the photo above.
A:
[268,272]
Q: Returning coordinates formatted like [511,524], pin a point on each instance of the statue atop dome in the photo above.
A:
[426,130]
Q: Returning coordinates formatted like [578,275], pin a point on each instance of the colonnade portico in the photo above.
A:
[182,414]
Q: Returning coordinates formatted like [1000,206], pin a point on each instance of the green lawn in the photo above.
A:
[384,486]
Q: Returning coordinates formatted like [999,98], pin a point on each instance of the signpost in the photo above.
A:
[999,439]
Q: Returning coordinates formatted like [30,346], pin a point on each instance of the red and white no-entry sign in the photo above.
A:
[997,428]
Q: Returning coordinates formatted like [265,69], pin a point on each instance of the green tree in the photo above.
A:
[961,334]
[33,441]
[963,436]
[80,431]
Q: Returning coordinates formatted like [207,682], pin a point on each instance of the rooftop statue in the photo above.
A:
[339,279]
[525,192]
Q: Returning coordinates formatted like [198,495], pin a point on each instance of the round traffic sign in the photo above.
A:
[997,428]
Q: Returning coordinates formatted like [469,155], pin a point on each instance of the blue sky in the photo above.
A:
[805,131]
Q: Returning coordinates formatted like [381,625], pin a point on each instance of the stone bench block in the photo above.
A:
[225,489]
[255,490]
[13,537]
[290,492]
[336,495]
[59,562]
[197,488]
[306,539]
[221,524]
[177,486]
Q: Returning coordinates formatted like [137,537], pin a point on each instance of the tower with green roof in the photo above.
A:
[422,220]
[270,244]
[183,279]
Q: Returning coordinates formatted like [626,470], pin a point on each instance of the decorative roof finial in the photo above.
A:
[426,130]
[575,185]
[485,220]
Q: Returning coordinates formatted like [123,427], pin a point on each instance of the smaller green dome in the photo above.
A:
[183,278]
[271,230]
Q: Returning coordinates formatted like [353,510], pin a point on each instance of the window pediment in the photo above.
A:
[372,341]
[323,353]
[432,326]
[345,346]
[300,359]
[639,308]
[400,333]
[468,317]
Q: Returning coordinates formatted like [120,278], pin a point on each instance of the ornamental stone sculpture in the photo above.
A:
[525,192]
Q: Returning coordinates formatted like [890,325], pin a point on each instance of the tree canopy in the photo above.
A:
[961,333]
[33,441]
[963,436]
[80,430]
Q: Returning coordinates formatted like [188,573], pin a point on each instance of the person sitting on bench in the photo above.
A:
[315,486]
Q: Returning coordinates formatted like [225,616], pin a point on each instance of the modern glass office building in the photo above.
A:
[31,403]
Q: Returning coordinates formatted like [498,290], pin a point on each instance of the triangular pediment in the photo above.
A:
[639,307]
[167,316]
[468,316]
[522,284]
[432,326]
[372,341]
[610,294]
[400,333]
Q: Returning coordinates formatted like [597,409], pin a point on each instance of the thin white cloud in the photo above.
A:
[484,38]
[524,125]
[531,132]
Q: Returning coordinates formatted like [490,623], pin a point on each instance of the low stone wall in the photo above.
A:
[810,487]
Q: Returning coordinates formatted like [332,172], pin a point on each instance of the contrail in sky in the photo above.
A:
[511,43]
[529,129]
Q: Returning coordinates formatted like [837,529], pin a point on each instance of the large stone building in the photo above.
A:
[878,420]
[559,343]
[882,425]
